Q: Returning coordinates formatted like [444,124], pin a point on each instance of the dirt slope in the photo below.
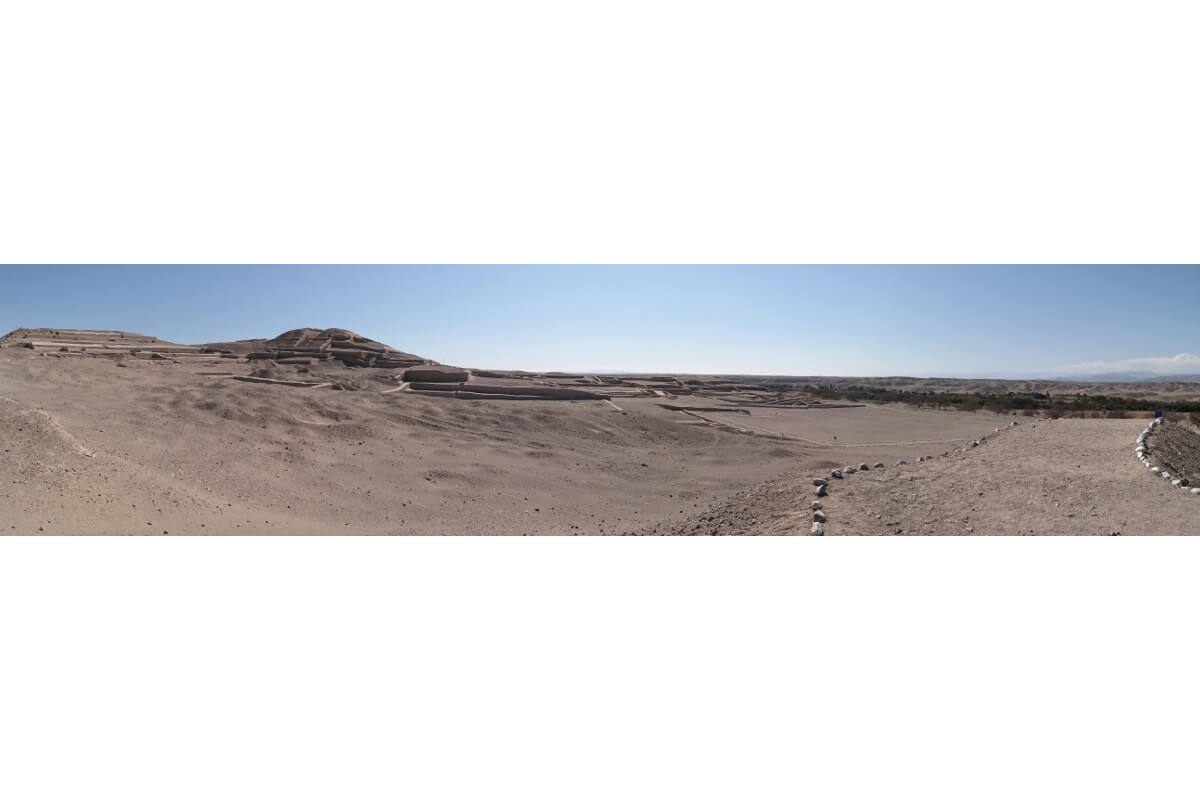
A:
[1061,477]
[188,450]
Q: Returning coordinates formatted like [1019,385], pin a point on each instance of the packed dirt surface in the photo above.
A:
[852,431]
[1051,477]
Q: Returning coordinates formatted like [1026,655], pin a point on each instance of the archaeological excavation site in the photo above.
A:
[287,358]
[326,431]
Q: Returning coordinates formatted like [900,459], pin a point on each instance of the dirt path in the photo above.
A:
[759,431]
[1060,477]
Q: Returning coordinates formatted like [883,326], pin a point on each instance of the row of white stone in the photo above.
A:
[819,518]
[1141,451]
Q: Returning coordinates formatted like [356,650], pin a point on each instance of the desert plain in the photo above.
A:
[327,432]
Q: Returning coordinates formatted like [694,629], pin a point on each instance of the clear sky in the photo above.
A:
[984,321]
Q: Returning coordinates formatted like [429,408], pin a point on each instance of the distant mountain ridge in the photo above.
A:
[1130,377]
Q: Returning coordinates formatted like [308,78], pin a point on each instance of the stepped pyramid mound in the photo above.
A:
[335,344]
[65,342]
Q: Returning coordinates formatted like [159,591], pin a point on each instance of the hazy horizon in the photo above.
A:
[977,321]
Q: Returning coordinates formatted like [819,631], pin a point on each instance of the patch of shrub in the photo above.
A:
[1030,404]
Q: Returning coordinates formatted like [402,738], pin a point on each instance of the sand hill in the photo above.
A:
[180,449]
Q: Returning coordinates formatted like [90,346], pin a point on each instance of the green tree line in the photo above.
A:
[1007,403]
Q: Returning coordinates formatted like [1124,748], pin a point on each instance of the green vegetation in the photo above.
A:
[1079,405]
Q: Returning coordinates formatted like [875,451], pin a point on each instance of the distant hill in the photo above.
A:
[1130,377]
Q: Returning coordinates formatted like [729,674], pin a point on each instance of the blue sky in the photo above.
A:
[802,320]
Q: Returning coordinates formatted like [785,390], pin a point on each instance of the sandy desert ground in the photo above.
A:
[176,446]
[1057,477]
